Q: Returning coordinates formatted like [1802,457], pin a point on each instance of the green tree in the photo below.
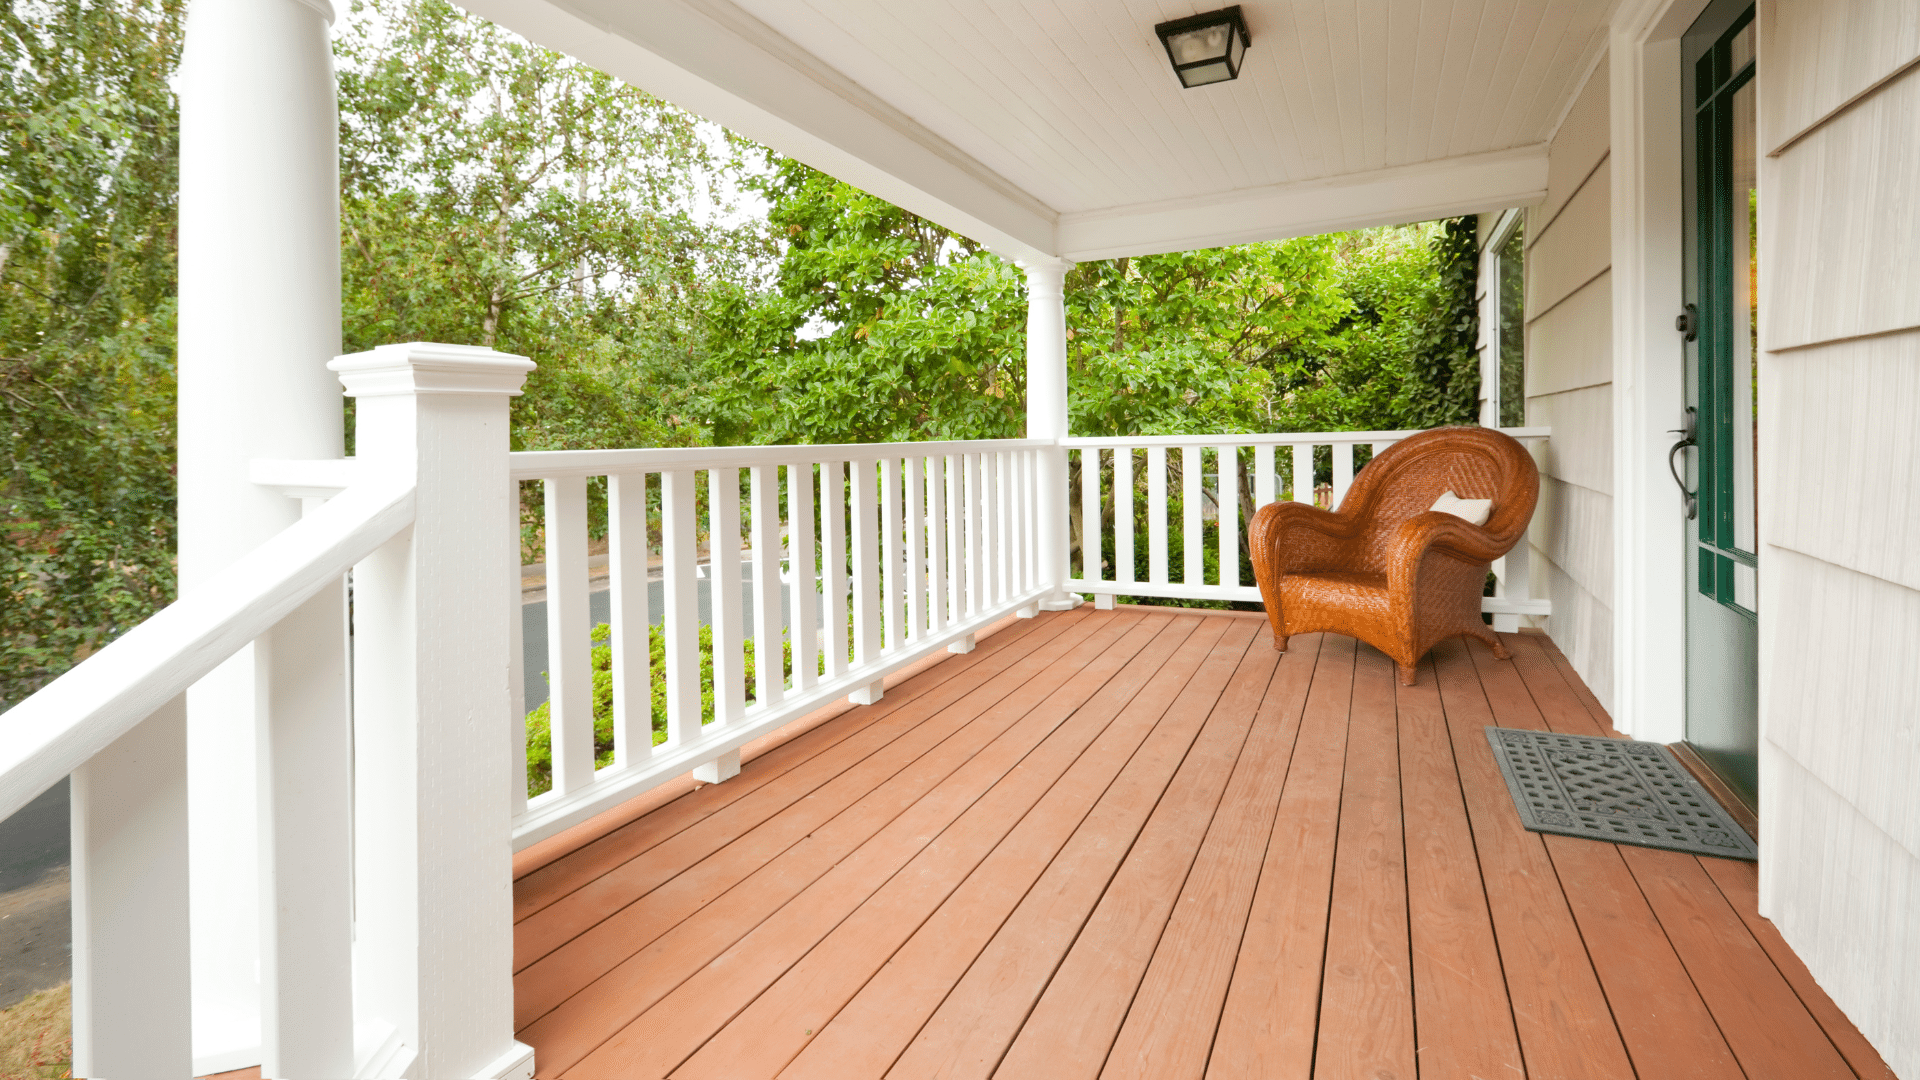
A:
[883,326]
[88,145]
[496,193]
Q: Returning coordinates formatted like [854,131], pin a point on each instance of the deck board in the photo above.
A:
[791,901]
[1139,843]
[1464,1022]
[968,1034]
[1071,1029]
[561,878]
[1168,1034]
[1366,992]
[780,1022]
[1268,1024]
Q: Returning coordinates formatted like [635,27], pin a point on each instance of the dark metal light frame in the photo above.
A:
[1206,70]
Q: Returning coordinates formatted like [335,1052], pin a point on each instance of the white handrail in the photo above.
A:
[71,719]
[1272,438]
[553,464]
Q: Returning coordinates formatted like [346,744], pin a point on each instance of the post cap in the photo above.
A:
[425,367]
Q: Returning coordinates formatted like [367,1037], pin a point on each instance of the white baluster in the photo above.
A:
[939,533]
[1019,536]
[680,618]
[1157,515]
[800,562]
[977,554]
[632,660]
[994,573]
[306,847]
[1194,572]
[1013,464]
[729,618]
[131,1003]
[916,541]
[1123,514]
[866,577]
[893,587]
[769,681]
[1228,490]
[1090,523]
[1262,475]
[723,571]
[516,733]
[1342,472]
[1303,473]
[960,510]
[569,644]
[959,545]
[833,500]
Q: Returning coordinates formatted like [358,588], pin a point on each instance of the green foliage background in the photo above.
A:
[676,285]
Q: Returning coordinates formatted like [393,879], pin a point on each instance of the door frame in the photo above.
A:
[1649,527]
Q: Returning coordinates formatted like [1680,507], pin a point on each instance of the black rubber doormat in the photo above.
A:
[1614,790]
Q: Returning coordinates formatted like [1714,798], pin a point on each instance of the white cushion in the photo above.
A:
[1474,510]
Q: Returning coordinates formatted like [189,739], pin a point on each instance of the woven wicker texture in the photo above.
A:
[1384,567]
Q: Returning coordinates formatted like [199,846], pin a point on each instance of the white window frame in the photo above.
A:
[1503,230]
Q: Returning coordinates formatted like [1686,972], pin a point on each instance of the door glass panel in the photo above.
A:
[1720,207]
[1745,347]
[1741,48]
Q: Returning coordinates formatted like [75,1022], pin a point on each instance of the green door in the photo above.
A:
[1721,386]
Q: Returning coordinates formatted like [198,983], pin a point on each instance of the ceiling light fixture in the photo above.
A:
[1206,48]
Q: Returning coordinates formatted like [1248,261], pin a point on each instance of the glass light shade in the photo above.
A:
[1194,46]
[1205,48]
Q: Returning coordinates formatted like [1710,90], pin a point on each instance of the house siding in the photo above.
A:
[1569,387]
[1840,585]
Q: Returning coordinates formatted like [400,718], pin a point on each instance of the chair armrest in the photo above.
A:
[1435,529]
[1280,529]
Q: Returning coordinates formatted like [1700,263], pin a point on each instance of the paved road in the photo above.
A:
[36,929]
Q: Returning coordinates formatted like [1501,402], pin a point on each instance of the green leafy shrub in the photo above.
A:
[539,729]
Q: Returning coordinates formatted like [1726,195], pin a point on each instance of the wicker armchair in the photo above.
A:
[1384,567]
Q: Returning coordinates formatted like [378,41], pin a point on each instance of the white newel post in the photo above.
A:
[433,948]
[259,319]
[1047,419]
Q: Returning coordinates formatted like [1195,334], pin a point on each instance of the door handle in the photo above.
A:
[1692,499]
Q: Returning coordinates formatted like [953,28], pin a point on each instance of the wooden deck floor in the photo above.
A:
[1141,843]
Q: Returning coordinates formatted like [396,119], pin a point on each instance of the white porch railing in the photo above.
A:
[878,555]
[385,936]
[117,723]
[386,926]
[1210,474]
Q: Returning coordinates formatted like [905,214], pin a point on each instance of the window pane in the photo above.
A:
[1740,49]
[1745,351]
[1513,331]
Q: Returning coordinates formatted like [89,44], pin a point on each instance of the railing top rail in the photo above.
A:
[1286,438]
[83,711]
[552,464]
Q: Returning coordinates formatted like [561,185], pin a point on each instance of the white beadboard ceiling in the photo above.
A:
[1056,128]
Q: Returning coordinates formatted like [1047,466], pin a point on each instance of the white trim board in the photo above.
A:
[1649,618]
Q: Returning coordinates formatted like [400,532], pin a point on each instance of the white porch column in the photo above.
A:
[259,319]
[1047,419]
[433,948]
